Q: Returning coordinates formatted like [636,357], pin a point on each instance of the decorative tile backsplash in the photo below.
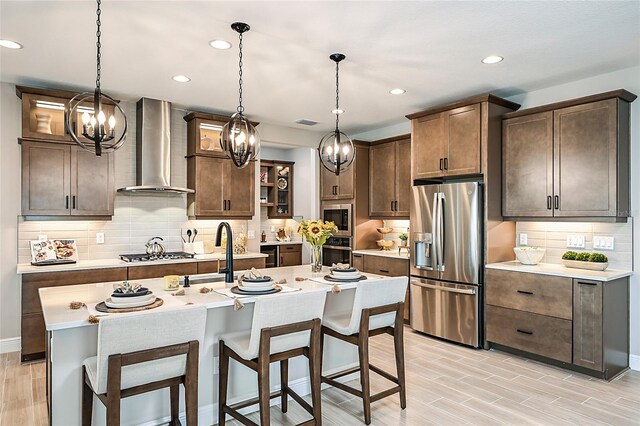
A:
[136,217]
[553,237]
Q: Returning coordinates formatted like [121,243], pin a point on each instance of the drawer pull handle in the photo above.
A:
[586,283]
[384,270]
[525,292]
[528,333]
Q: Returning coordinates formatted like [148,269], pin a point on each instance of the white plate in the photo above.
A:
[118,305]
[254,288]
[346,276]
[134,299]
[263,284]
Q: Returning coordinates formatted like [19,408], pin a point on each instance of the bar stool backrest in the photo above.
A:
[124,333]
[377,293]
[283,309]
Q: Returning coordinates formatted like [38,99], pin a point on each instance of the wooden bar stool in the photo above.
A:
[377,309]
[142,353]
[283,326]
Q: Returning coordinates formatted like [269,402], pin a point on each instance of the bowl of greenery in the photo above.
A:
[585,260]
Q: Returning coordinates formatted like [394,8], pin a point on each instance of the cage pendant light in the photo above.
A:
[336,149]
[239,138]
[97,134]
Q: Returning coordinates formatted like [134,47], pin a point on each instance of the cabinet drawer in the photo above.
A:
[358,262]
[244,264]
[540,294]
[32,336]
[208,267]
[157,271]
[386,266]
[290,248]
[290,259]
[538,334]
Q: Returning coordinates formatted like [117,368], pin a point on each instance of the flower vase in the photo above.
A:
[316,259]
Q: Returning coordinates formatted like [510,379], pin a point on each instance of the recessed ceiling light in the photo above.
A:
[492,59]
[220,44]
[397,91]
[337,111]
[10,44]
[181,78]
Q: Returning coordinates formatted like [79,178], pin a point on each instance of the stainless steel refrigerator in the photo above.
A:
[446,260]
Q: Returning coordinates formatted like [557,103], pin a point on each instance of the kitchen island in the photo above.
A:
[71,339]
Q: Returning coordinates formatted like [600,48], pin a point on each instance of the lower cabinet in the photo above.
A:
[388,266]
[282,255]
[583,324]
[157,271]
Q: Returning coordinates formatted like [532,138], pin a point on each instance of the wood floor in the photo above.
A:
[446,385]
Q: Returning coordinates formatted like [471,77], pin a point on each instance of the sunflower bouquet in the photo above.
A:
[316,232]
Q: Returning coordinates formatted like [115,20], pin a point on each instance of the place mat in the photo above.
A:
[335,280]
[236,290]
[227,292]
[101,307]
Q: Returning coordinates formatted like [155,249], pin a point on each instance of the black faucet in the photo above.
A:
[228,271]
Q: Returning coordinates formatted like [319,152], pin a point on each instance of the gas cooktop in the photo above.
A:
[172,255]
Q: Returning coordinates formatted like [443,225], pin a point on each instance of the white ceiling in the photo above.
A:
[431,49]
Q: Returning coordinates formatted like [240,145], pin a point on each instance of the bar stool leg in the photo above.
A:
[263,380]
[87,400]
[363,353]
[398,342]
[284,382]
[174,394]
[222,383]
[315,371]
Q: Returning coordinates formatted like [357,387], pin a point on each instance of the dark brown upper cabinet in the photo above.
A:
[390,177]
[65,180]
[569,159]
[221,189]
[446,141]
[340,187]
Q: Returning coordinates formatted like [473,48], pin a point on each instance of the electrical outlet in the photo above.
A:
[99,237]
[523,239]
[603,243]
[272,228]
[42,237]
[575,241]
[251,234]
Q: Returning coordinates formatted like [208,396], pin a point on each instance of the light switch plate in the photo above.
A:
[272,228]
[523,239]
[603,243]
[99,237]
[251,234]
[575,241]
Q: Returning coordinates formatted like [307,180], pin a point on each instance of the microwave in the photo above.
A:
[341,215]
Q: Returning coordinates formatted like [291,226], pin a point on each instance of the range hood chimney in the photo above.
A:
[153,149]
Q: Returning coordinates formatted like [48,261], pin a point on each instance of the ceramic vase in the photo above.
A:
[43,123]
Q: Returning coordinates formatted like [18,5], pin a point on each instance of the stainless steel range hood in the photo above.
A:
[153,149]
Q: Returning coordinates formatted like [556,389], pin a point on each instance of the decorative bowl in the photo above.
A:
[592,266]
[385,230]
[529,255]
[385,244]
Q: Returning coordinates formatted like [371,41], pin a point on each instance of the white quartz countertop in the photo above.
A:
[560,270]
[384,253]
[26,268]
[57,314]
[279,243]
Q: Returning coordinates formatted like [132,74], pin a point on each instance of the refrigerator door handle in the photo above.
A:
[441,230]
[443,288]
[436,239]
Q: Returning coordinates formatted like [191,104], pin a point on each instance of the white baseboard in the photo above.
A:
[634,362]
[9,345]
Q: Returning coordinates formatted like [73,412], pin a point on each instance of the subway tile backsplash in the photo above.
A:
[553,237]
[136,217]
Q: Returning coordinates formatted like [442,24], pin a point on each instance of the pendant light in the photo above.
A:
[336,149]
[239,138]
[98,134]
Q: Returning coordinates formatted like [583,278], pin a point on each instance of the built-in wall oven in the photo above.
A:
[341,215]
[336,250]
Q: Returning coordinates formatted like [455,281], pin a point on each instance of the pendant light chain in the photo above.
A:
[337,94]
[98,46]
[240,107]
